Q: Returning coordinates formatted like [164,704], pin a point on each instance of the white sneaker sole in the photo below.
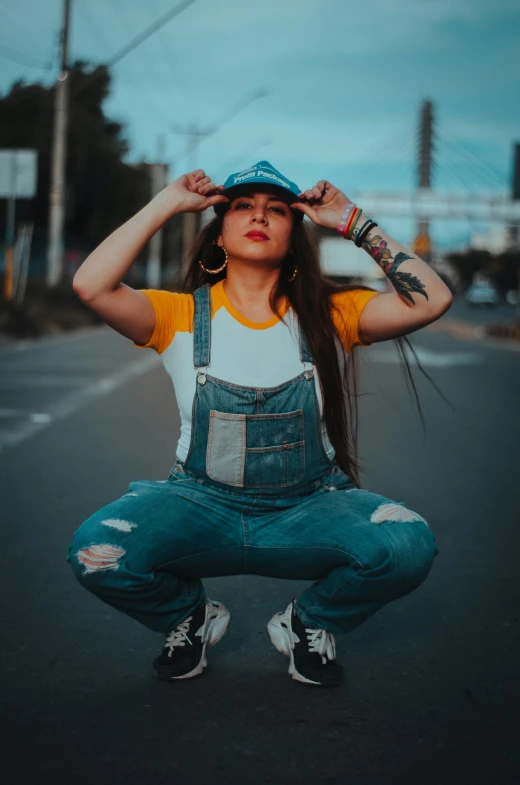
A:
[215,631]
[281,640]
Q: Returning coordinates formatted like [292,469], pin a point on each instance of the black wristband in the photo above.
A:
[363,234]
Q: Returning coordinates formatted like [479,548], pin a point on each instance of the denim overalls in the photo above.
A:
[263,440]
[255,495]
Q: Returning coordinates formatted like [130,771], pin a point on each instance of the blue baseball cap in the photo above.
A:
[262,173]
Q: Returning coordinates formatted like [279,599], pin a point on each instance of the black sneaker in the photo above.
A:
[184,653]
[312,652]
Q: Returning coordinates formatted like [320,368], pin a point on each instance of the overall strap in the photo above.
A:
[202,327]
[305,355]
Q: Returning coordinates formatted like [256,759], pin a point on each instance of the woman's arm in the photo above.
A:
[411,277]
[104,269]
[420,296]
[98,282]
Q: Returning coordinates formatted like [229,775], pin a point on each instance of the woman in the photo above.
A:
[260,350]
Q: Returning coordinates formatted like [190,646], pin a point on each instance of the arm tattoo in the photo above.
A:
[403,282]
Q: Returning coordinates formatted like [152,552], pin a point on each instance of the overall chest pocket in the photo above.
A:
[256,450]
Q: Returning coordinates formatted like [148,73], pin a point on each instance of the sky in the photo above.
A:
[343,83]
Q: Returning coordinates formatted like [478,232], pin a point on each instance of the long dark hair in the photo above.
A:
[309,295]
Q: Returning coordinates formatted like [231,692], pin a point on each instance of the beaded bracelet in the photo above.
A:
[346,215]
[361,236]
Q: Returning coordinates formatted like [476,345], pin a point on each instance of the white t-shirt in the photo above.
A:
[252,354]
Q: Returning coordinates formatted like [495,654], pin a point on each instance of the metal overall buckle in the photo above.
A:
[308,372]
[201,375]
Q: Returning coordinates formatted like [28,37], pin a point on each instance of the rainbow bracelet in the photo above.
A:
[351,222]
[350,231]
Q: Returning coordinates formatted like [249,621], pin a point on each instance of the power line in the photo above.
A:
[226,116]
[22,59]
[194,133]
[15,22]
[148,32]
[167,54]
[94,27]
[102,46]
[135,42]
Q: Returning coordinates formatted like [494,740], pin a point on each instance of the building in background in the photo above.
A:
[496,240]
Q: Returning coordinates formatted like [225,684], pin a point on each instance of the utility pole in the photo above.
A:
[57,191]
[190,220]
[422,245]
[514,230]
[194,134]
[158,182]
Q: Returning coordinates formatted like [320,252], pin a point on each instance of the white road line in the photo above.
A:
[27,380]
[34,416]
[427,357]
[76,400]
[22,345]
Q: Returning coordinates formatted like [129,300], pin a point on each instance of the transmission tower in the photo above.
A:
[422,243]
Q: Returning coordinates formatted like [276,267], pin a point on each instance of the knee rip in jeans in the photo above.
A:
[119,523]
[392,511]
[100,557]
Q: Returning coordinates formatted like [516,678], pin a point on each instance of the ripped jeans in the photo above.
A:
[146,552]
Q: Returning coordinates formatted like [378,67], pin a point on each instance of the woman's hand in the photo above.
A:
[191,193]
[324,204]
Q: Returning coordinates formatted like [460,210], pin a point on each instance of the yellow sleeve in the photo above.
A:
[173,313]
[346,315]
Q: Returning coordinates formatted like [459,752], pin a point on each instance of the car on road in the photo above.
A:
[482,293]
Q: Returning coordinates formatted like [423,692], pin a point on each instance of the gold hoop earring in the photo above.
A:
[293,276]
[295,271]
[218,269]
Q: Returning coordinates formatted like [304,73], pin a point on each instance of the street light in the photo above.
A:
[194,135]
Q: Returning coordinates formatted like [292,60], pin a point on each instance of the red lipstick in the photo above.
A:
[257,235]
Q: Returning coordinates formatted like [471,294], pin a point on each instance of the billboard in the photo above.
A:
[18,170]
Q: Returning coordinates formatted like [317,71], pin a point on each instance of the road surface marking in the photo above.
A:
[427,357]
[69,404]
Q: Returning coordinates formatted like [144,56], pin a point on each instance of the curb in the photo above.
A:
[504,336]
[10,343]
[511,331]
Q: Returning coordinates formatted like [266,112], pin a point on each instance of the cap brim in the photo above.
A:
[246,188]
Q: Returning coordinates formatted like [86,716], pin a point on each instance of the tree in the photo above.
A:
[503,269]
[102,190]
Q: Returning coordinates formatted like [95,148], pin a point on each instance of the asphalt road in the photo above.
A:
[432,680]
[479,314]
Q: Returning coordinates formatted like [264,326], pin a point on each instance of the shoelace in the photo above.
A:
[321,642]
[179,635]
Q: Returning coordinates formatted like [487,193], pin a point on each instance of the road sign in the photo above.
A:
[18,170]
